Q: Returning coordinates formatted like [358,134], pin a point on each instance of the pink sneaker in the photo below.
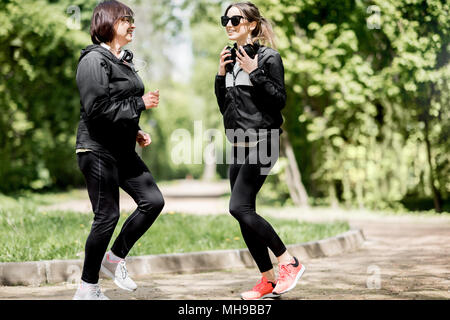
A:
[263,289]
[288,276]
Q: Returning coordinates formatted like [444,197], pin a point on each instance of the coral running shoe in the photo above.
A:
[288,276]
[262,290]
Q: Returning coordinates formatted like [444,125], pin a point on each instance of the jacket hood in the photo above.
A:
[128,56]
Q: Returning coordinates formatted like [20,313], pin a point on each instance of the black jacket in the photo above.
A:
[254,104]
[111,101]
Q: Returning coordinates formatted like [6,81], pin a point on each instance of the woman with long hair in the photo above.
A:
[112,100]
[250,93]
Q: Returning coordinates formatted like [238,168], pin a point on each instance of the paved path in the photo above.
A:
[188,196]
[404,258]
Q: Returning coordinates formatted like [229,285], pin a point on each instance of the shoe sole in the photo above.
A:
[78,297]
[81,299]
[269,295]
[299,274]
[109,274]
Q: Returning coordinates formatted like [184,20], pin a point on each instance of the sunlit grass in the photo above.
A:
[27,234]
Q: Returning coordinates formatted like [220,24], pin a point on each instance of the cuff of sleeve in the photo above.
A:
[220,82]
[220,78]
[140,104]
[256,75]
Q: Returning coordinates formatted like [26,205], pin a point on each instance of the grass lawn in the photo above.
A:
[27,234]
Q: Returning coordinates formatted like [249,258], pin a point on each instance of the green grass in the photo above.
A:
[27,234]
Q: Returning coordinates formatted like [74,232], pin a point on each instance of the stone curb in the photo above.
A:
[36,273]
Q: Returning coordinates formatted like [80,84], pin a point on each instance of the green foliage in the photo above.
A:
[177,111]
[368,94]
[38,95]
[274,191]
[185,103]
[367,104]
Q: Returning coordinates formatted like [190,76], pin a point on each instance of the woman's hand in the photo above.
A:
[151,99]
[247,64]
[225,53]
[143,139]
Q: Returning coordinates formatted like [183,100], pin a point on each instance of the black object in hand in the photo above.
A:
[250,49]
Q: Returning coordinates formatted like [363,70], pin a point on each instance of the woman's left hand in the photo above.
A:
[143,139]
[247,64]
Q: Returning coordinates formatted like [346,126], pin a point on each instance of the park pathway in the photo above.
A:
[188,196]
[404,257]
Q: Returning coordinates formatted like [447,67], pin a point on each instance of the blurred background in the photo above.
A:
[366,123]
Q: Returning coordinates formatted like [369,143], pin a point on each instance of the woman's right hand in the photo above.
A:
[151,99]
[225,53]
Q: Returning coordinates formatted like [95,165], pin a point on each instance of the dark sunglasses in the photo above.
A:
[235,20]
[128,19]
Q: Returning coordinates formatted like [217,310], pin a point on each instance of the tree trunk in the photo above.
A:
[293,178]
[332,194]
[436,194]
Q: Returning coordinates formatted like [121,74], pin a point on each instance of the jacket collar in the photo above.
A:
[122,52]
[126,55]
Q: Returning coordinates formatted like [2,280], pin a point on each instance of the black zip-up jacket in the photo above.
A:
[253,101]
[111,101]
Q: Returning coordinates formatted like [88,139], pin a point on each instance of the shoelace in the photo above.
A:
[96,290]
[259,285]
[284,271]
[123,269]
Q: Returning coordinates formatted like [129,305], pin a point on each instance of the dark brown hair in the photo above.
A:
[103,19]
[263,31]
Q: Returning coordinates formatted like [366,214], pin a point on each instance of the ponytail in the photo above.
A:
[264,33]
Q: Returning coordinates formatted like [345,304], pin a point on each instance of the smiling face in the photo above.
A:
[241,32]
[124,31]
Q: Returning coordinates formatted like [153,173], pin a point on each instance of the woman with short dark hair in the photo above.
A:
[112,100]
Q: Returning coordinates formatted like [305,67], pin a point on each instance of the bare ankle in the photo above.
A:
[285,258]
[269,275]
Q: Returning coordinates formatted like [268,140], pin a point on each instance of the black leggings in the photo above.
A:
[246,179]
[104,174]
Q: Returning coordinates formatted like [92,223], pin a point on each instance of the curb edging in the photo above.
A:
[35,273]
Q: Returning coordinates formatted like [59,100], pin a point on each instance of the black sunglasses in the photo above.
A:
[128,19]
[235,20]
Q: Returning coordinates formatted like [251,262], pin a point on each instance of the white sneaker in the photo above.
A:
[117,270]
[88,291]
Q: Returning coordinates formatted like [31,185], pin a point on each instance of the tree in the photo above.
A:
[366,101]
[38,99]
